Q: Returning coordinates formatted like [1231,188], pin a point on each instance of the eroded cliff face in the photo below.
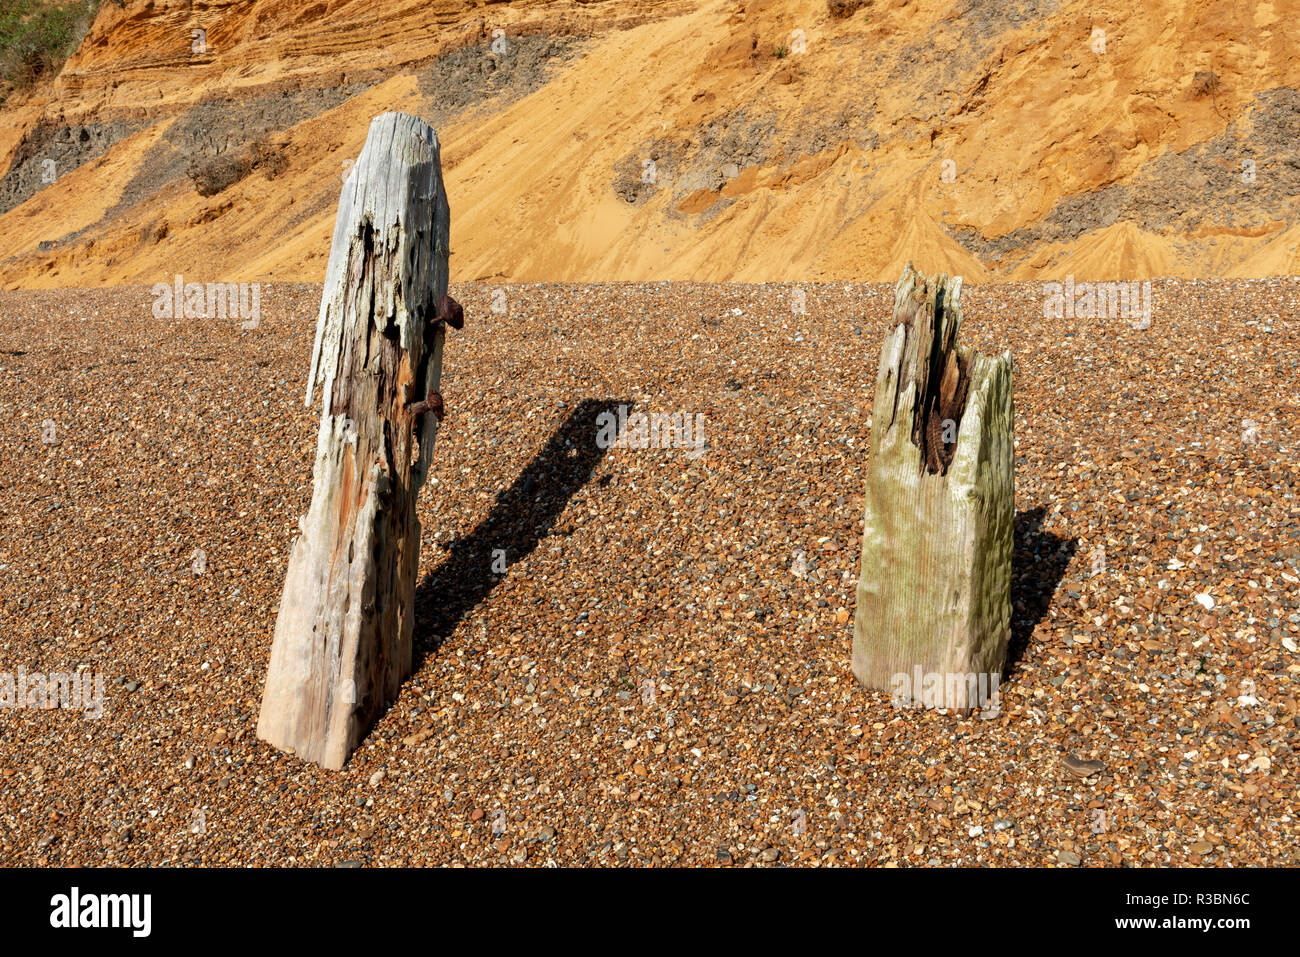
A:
[636,140]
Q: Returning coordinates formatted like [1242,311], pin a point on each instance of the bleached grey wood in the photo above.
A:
[343,637]
[934,595]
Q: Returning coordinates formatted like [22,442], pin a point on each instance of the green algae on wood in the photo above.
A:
[934,594]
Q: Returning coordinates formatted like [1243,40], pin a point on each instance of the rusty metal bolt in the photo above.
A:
[432,404]
[450,312]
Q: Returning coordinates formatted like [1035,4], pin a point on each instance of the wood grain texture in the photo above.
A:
[343,638]
[935,586]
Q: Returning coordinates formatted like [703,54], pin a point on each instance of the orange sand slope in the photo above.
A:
[630,140]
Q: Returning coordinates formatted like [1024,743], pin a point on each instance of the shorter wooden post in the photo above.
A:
[933,615]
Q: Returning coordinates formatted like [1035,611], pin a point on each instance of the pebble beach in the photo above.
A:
[640,656]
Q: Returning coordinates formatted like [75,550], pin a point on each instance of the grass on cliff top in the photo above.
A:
[36,36]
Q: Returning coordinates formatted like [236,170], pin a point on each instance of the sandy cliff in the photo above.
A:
[770,139]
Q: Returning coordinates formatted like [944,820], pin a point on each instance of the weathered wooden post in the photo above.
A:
[934,597]
[343,637]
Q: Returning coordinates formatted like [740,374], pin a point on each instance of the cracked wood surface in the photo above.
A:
[343,637]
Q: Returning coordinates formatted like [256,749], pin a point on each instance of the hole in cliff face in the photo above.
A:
[212,176]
